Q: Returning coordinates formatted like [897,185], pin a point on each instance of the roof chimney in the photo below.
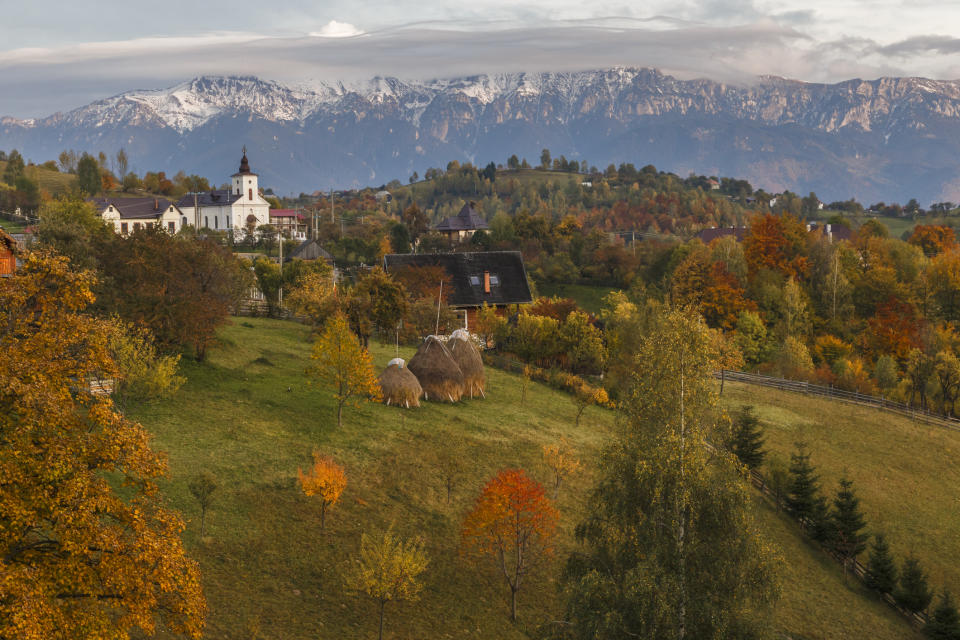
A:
[486,282]
[156,204]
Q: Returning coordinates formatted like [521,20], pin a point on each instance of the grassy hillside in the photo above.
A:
[906,474]
[587,297]
[53,182]
[270,572]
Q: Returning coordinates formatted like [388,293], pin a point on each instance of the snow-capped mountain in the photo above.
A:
[891,138]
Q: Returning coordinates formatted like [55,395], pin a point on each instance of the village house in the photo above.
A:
[131,214]
[494,278]
[463,225]
[8,255]
[240,209]
[290,222]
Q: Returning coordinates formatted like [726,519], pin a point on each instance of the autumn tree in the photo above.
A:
[933,239]
[586,396]
[561,461]
[387,570]
[325,479]
[513,524]
[777,243]
[141,373]
[340,363]
[669,548]
[79,557]
[202,487]
[388,300]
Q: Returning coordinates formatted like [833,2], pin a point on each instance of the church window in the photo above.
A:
[250,191]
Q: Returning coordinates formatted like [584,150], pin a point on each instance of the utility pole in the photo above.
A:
[196,212]
[331,205]
[280,296]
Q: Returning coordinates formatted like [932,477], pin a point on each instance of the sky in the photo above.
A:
[56,55]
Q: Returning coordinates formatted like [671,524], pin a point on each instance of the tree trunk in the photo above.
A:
[380,634]
[323,512]
[203,517]
[339,413]
[513,604]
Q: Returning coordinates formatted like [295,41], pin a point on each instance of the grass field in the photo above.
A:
[587,297]
[270,572]
[906,474]
[53,182]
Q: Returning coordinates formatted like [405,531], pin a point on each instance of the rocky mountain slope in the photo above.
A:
[885,139]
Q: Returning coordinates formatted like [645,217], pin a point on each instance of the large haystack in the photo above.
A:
[467,357]
[437,371]
[400,386]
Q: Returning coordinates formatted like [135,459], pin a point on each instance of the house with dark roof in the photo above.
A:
[494,278]
[290,222]
[130,214]
[463,225]
[311,250]
[706,236]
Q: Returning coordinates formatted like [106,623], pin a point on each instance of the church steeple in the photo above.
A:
[244,163]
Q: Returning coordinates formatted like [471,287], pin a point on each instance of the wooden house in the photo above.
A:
[8,254]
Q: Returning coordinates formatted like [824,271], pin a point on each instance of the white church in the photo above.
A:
[240,209]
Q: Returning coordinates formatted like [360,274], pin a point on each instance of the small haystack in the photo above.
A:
[400,386]
[437,371]
[467,357]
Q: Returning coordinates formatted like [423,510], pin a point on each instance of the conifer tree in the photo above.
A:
[944,622]
[747,441]
[914,593]
[850,540]
[803,489]
[881,570]
[821,523]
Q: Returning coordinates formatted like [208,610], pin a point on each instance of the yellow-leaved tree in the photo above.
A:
[387,570]
[340,363]
[561,461]
[325,479]
[78,559]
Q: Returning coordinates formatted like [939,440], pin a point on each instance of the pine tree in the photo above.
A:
[913,593]
[801,495]
[881,570]
[944,622]
[821,523]
[848,521]
[747,441]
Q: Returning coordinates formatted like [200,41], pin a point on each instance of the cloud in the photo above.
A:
[38,81]
[334,29]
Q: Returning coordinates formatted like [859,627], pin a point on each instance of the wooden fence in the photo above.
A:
[851,397]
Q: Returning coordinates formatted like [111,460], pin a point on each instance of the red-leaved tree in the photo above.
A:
[512,523]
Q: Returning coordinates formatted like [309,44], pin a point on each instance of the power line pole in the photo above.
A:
[280,238]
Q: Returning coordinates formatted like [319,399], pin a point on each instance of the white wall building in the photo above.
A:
[131,214]
[239,209]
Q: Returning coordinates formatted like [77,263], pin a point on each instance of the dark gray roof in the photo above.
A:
[706,236]
[467,273]
[215,198]
[310,250]
[467,220]
[135,207]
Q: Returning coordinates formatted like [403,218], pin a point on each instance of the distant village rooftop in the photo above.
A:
[496,278]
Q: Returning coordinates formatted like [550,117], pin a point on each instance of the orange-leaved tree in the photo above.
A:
[512,523]
[341,363]
[78,557]
[325,479]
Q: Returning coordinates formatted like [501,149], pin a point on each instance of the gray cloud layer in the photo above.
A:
[40,81]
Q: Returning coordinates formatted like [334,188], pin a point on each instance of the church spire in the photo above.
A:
[244,163]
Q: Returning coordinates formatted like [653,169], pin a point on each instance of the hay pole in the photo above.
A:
[436,328]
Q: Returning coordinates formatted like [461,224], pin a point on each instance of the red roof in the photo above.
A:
[285,213]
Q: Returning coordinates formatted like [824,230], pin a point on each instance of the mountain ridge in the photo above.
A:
[888,138]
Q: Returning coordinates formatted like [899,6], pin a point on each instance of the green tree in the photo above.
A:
[820,522]
[388,569]
[802,493]
[913,594]
[14,169]
[545,159]
[881,569]
[71,227]
[669,546]
[850,540]
[747,438]
[88,174]
[202,487]
[944,622]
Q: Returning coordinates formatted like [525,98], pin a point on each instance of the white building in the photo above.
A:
[239,209]
[131,214]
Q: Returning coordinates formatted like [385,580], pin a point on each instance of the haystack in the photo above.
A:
[400,386]
[468,358]
[437,371]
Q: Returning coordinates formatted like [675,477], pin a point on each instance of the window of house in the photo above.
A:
[475,281]
[206,221]
[123,228]
[136,226]
[183,221]
[172,226]
[494,280]
[216,222]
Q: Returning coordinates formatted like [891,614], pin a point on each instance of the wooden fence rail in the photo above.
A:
[851,397]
